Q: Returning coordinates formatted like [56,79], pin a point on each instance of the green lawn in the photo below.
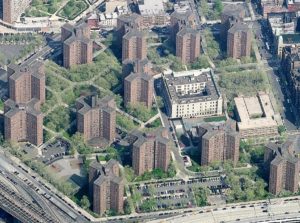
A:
[72,9]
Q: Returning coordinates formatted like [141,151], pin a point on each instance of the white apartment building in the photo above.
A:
[192,93]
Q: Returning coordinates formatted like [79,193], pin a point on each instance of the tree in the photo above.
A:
[200,63]
[219,7]
[160,102]
[201,194]
[127,208]
[85,202]
[281,129]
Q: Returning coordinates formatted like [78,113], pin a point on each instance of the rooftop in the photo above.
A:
[93,102]
[29,107]
[234,10]
[286,151]
[188,30]
[204,77]
[151,7]
[142,76]
[291,38]
[255,111]
[35,69]
[239,27]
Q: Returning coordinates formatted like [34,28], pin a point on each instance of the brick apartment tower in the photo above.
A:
[150,151]
[23,122]
[218,143]
[26,82]
[77,45]
[138,88]
[239,41]
[284,166]
[134,45]
[96,118]
[106,187]
[127,22]
[181,20]
[188,45]
[231,15]
[136,66]
[12,9]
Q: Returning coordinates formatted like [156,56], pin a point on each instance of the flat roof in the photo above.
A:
[151,7]
[255,112]
[204,76]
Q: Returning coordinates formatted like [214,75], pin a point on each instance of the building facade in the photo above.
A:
[77,45]
[239,41]
[26,82]
[291,65]
[23,122]
[134,45]
[96,118]
[12,9]
[150,151]
[218,142]
[231,15]
[283,165]
[188,45]
[106,187]
[192,93]
[180,20]
[138,88]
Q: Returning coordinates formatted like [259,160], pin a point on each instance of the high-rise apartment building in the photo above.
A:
[96,118]
[218,142]
[150,151]
[134,45]
[26,82]
[106,187]
[77,45]
[284,166]
[128,21]
[231,15]
[138,88]
[12,9]
[188,45]
[136,66]
[23,122]
[180,20]
[239,41]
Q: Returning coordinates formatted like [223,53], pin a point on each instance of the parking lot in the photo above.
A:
[54,150]
[178,193]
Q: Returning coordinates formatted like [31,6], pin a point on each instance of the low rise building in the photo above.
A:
[106,187]
[96,119]
[153,12]
[283,165]
[218,142]
[282,23]
[192,93]
[138,88]
[112,6]
[256,116]
[272,6]
[150,151]
[286,40]
[23,122]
